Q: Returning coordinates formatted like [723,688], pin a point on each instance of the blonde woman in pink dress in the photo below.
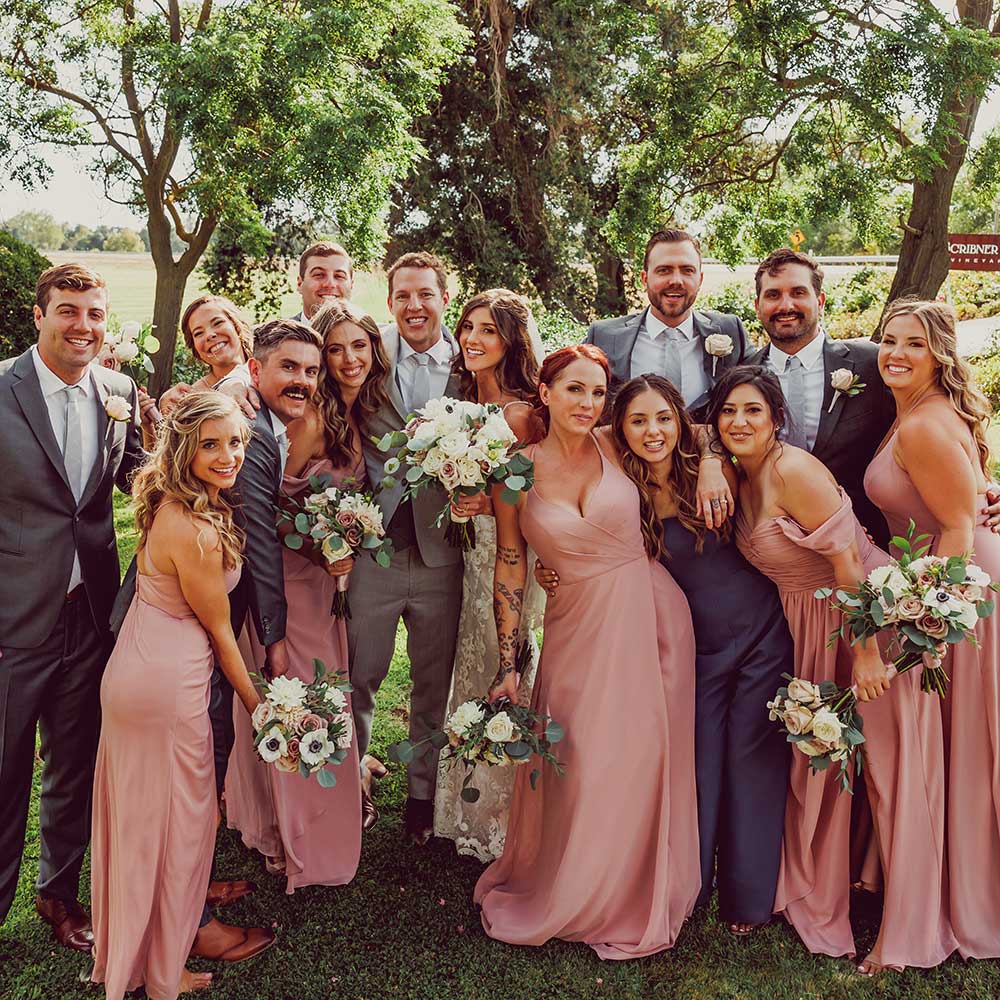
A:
[933,468]
[311,834]
[155,804]
[797,526]
[613,864]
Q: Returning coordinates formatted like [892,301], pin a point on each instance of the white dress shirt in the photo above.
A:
[675,352]
[813,371]
[55,402]
[439,368]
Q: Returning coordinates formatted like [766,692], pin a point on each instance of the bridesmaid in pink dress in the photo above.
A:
[797,526]
[309,833]
[612,864]
[154,789]
[933,468]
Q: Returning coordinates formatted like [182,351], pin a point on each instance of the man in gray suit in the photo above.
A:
[65,441]
[423,584]
[326,271]
[690,347]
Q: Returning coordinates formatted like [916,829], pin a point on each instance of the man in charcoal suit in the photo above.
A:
[423,585]
[326,272]
[691,348]
[69,432]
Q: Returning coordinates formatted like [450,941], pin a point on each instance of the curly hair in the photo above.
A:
[167,474]
[683,480]
[517,372]
[954,375]
[240,325]
[337,433]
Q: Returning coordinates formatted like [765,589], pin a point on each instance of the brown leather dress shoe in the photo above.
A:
[69,920]
[222,943]
[418,821]
[369,812]
[224,893]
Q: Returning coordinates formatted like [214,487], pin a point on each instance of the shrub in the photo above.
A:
[20,266]
[736,299]
[987,374]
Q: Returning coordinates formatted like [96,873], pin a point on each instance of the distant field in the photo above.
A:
[131,280]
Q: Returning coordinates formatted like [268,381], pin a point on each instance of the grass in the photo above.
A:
[131,280]
[406,928]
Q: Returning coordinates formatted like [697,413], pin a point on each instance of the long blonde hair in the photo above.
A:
[954,376]
[337,434]
[167,473]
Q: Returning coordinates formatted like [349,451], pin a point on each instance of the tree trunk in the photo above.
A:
[611,299]
[170,284]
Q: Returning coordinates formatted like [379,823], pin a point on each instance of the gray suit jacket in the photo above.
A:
[617,336]
[41,524]
[427,504]
[850,433]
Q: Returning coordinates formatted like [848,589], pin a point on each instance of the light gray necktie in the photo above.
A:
[673,369]
[420,389]
[795,400]
[73,440]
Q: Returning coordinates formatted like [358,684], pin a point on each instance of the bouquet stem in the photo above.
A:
[461,534]
[341,607]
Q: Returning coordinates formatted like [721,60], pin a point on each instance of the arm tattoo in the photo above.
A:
[507,602]
[508,555]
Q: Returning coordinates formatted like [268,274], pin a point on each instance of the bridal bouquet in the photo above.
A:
[465,447]
[821,721]
[341,522]
[132,343]
[305,727]
[924,600]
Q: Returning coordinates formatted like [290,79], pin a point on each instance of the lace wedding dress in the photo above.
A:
[479,828]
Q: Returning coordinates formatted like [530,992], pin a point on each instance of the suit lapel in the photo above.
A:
[390,341]
[105,434]
[623,343]
[704,328]
[28,393]
[835,355]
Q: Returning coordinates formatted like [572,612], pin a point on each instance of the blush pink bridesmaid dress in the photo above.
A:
[155,803]
[971,719]
[904,776]
[590,857]
[316,830]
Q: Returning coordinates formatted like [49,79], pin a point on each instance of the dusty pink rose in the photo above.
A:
[262,715]
[970,592]
[293,748]
[798,719]
[354,536]
[448,474]
[287,765]
[346,518]
[910,608]
[930,624]
[926,579]
[311,723]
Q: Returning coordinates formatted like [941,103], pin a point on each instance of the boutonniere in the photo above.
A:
[118,408]
[719,346]
[845,383]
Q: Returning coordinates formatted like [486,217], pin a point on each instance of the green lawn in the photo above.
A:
[131,282]
[406,928]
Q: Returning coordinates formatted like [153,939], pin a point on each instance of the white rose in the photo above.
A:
[467,715]
[842,379]
[344,740]
[719,345]
[126,351]
[335,548]
[812,748]
[337,698]
[315,747]
[826,726]
[888,576]
[454,445]
[117,408]
[433,462]
[967,617]
[262,715]
[272,746]
[500,728]
[469,473]
[130,330]
[804,692]
[797,719]
[286,694]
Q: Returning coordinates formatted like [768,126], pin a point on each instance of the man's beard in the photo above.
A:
[801,331]
[673,307]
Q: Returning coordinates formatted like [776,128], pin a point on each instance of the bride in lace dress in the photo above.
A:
[498,363]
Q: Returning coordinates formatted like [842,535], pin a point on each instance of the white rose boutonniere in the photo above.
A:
[845,383]
[719,345]
[118,408]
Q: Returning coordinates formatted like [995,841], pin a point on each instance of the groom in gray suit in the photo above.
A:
[423,584]
[69,432]
[690,347]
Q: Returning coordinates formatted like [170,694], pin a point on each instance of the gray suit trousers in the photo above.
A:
[429,601]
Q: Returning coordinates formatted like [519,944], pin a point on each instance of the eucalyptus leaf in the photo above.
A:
[515,482]
[535,775]
[413,473]
[554,732]
[518,750]
[302,524]
[293,542]
[326,778]
[470,794]
[401,752]
[382,558]
[438,739]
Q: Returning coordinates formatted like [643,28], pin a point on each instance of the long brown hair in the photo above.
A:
[167,474]
[683,481]
[337,434]
[231,313]
[517,372]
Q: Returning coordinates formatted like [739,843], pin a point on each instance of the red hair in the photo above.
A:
[554,365]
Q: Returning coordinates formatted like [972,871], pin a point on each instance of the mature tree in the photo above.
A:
[20,266]
[124,241]
[203,112]
[39,229]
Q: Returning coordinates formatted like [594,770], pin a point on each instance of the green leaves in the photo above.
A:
[293,542]
[401,752]
[326,777]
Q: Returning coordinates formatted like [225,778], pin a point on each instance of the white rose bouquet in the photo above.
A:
[338,522]
[498,735]
[925,601]
[466,448]
[304,727]
[131,343]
